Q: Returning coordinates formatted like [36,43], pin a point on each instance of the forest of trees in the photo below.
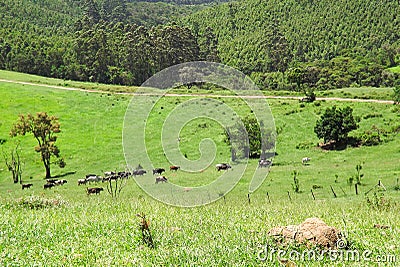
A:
[324,44]
[290,44]
[102,45]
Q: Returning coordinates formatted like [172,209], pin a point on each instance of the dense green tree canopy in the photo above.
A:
[335,124]
[348,43]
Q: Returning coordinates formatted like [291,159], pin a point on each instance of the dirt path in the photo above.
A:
[204,95]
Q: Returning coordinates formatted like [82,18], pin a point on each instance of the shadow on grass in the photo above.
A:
[349,142]
[63,175]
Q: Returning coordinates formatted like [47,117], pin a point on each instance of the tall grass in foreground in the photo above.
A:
[97,231]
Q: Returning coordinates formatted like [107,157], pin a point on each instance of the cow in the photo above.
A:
[94,179]
[94,190]
[90,175]
[264,163]
[48,185]
[51,181]
[82,181]
[124,175]
[223,166]
[113,177]
[158,171]
[60,182]
[109,173]
[26,186]
[305,160]
[174,168]
[139,172]
[161,179]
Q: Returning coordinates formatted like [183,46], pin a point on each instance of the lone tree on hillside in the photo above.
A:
[255,143]
[43,127]
[335,125]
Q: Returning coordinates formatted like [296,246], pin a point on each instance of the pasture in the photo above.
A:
[64,226]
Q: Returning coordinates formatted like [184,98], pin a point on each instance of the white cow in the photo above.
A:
[109,173]
[161,179]
[264,163]
[94,178]
[305,160]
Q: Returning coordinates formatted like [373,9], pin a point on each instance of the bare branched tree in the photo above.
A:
[14,163]
[115,186]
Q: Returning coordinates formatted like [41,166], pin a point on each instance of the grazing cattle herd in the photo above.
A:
[113,176]
[53,182]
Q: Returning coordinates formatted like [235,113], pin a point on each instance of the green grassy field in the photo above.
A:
[361,93]
[73,229]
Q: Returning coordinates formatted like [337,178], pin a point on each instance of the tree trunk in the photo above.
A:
[47,167]
[46,163]
[48,175]
[15,177]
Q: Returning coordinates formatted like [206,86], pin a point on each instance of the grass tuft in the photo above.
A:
[37,202]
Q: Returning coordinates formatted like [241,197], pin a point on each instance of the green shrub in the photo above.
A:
[369,138]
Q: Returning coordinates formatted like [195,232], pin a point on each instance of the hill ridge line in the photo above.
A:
[204,95]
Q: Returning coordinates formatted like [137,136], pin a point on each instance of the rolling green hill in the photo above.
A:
[65,226]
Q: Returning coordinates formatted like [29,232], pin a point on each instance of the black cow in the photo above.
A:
[60,182]
[48,185]
[94,190]
[139,172]
[124,175]
[82,181]
[26,186]
[158,171]
[223,166]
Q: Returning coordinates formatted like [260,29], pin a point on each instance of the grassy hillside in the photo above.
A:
[72,228]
